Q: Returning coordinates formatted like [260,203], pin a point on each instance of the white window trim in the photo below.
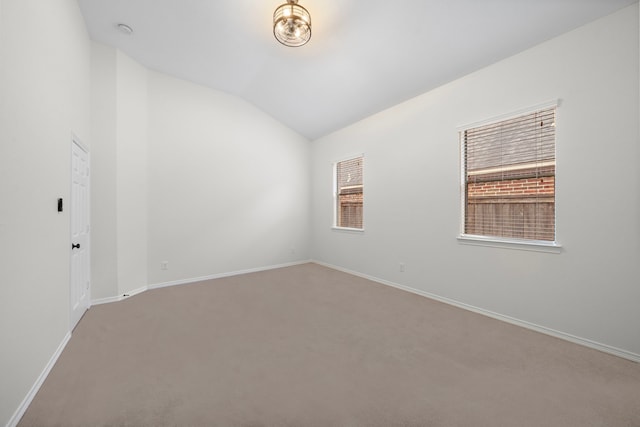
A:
[348,229]
[500,242]
[334,205]
[523,245]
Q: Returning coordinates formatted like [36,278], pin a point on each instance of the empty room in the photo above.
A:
[319,213]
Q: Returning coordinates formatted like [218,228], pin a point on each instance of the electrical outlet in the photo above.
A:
[164,265]
[402,267]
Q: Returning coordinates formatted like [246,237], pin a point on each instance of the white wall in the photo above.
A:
[188,175]
[131,171]
[228,185]
[44,97]
[412,202]
[119,179]
[104,183]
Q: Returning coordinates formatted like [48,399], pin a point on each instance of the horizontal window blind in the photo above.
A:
[510,177]
[349,193]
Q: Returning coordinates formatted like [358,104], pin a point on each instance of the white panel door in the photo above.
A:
[80,261]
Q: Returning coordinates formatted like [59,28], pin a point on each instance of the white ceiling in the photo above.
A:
[364,55]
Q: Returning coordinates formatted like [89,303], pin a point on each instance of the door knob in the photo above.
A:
[75,246]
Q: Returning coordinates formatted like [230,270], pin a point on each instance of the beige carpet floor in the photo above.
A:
[311,346]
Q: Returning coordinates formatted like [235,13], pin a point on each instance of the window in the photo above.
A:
[509,178]
[349,193]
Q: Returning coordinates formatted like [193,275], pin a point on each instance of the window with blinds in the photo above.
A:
[509,178]
[349,193]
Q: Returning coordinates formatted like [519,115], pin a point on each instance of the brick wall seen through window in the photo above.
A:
[349,193]
[509,188]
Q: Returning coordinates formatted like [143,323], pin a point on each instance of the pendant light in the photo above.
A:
[292,24]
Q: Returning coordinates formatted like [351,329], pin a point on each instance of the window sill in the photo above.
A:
[523,245]
[355,230]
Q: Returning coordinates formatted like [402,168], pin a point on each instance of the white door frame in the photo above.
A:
[75,316]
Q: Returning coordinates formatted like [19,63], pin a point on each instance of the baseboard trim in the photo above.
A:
[119,297]
[193,280]
[135,292]
[17,416]
[228,274]
[528,325]
[107,300]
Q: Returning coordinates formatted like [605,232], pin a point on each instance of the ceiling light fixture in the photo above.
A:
[292,24]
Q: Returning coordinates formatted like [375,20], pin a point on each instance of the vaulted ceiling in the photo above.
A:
[364,55]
